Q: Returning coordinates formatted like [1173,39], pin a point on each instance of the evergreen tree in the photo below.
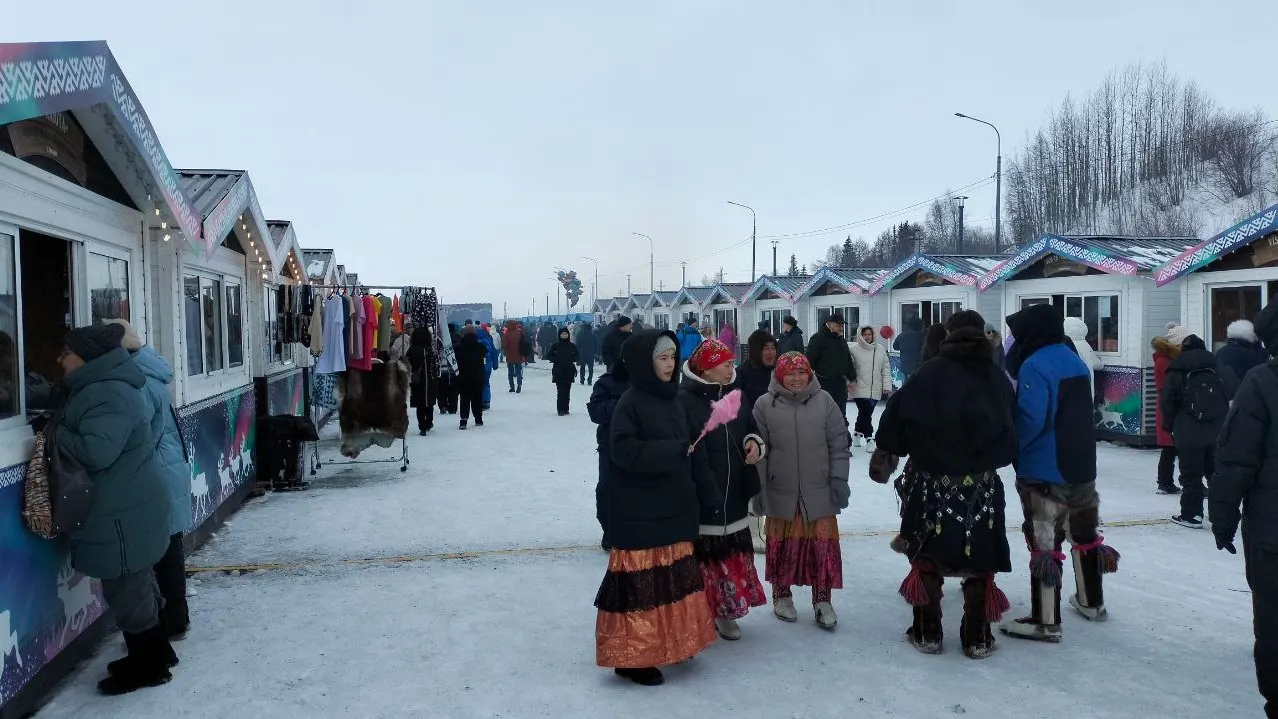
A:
[794,266]
[847,257]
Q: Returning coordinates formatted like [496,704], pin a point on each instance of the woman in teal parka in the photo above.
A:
[105,427]
[170,571]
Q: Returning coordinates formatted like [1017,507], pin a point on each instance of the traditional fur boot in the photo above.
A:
[728,629]
[983,602]
[1091,562]
[1044,622]
[756,534]
[926,634]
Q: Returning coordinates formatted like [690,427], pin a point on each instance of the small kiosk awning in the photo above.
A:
[962,270]
[1111,255]
[1242,234]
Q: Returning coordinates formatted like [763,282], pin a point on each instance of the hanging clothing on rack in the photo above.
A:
[397,316]
[315,330]
[374,407]
[334,327]
[384,323]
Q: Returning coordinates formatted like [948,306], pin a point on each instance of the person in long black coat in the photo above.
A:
[618,332]
[956,421]
[588,349]
[1194,371]
[1247,475]
[652,605]
[423,379]
[910,344]
[603,402]
[1242,352]
[546,338]
[472,356]
[831,361]
[725,457]
[563,358]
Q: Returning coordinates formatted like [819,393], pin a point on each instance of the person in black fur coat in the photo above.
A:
[603,402]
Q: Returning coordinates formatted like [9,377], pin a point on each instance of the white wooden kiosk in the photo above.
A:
[771,299]
[659,309]
[1228,277]
[690,302]
[1106,282]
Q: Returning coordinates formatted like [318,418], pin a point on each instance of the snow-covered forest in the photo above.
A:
[1145,153]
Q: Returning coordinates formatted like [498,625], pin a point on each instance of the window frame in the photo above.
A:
[1082,297]
[226,323]
[223,280]
[113,253]
[18,423]
[843,309]
[288,350]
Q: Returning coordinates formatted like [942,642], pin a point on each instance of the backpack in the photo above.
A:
[1205,398]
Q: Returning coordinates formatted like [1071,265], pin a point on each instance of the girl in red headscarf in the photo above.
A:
[805,485]
[723,460]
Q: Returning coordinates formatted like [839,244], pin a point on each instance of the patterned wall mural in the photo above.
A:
[284,395]
[220,435]
[1118,390]
[44,604]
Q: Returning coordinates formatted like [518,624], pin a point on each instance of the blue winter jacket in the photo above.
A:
[491,361]
[1054,422]
[689,339]
[169,450]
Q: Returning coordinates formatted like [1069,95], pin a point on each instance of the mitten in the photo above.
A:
[882,465]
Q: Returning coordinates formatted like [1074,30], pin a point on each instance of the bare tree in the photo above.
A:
[1237,148]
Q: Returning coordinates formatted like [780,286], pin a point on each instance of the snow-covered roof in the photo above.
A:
[853,280]
[692,296]
[660,299]
[728,293]
[786,287]
[1243,233]
[962,270]
[1111,255]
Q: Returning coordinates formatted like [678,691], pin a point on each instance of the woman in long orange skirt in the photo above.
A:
[652,606]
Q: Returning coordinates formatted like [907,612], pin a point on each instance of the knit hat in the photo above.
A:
[710,354]
[131,342]
[1175,333]
[664,344]
[624,321]
[94,341]
[791,361]
[965,318]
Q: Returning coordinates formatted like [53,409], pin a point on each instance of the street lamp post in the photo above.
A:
[652,273]
[594,289]
[684,265]
[960,200]
[754,236]
[774,256]
[998,181]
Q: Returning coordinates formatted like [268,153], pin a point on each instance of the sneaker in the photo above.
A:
[858,440]
[463,424]
[825,616]
[1027,628]
[512,390]
[784,609]
[1191,522]
[1168,489]
[728,629]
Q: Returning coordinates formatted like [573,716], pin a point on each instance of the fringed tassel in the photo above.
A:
[1046,567]
[1108,555]
[898,544]
[996,602]
[912,587]
[1108,559]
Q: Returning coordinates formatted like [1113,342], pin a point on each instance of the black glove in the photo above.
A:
[39,422]
[1225,543]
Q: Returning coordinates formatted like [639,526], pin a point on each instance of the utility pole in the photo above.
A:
[774,257]
[960,200]
[685,273]
[547,303]
[594,289]
[754,237]
[627,285]
[652,272]
[998,182]
[661,285]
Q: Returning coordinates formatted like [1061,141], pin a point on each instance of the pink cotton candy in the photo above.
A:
[722,411]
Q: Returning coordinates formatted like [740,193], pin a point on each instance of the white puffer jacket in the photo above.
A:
[873,371]
[1076,330]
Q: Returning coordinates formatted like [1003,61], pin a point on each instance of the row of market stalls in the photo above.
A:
[1125,289]
[96,224]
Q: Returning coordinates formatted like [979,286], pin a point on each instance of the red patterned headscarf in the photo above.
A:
[791,361]
[710,354]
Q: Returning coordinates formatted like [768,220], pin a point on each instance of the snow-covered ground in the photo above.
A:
[463,588]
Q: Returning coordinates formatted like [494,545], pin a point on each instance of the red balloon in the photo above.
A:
[886,332]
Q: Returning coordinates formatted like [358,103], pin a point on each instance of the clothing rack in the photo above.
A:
[402,458]
[364,287]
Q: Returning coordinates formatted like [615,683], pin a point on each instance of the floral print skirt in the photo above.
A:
[804,554]
[727,566]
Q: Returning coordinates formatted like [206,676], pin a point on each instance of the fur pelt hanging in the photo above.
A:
[374,406]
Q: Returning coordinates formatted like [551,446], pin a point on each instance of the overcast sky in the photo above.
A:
[477,146]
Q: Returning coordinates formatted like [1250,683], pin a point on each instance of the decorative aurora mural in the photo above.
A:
[220,435]
[44,604]
[284,395]
[1121,401]
[894,364]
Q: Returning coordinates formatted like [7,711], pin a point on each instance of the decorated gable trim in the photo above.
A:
[221,221]
[1062,247]
[43,78]
[824,275]
[764,284]
[1244,233]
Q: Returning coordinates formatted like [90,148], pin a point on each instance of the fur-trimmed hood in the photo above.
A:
[1242,330]
[1165,347]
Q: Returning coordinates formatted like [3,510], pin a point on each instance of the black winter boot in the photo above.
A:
[648,676]
[1090,598]
[974,631]
[926,634]
[147,665]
